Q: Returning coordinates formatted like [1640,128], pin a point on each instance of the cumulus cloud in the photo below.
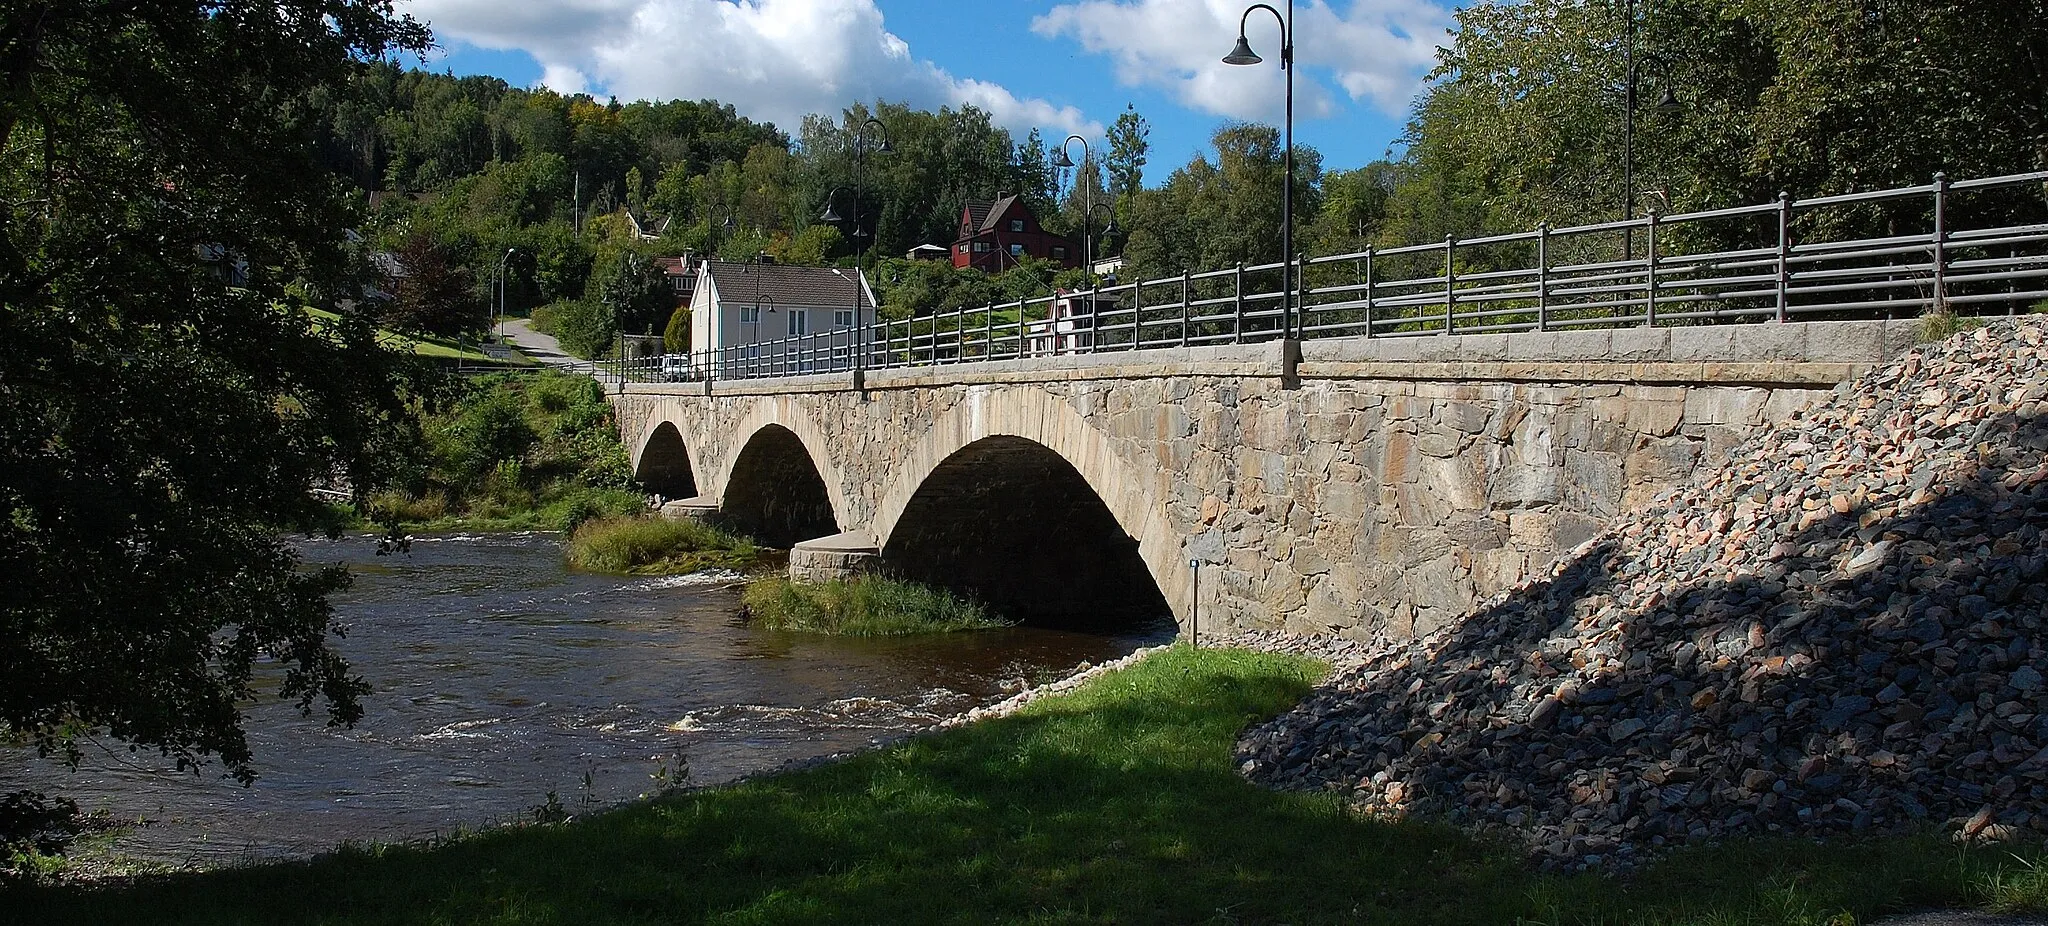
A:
[771,59]
[1375,52]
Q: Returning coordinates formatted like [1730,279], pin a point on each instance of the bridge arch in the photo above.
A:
[663,465]
[776,491]
[1014,496]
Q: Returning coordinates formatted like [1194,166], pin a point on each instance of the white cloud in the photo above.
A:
[771,59]
[1376,52]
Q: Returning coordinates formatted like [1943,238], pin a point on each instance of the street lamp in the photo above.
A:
[1060,159]
[861,150]
[501,291]
[1242,54]
[1667,103]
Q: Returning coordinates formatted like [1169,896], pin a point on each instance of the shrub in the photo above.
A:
[585,327]
[657,546]
[864,606]
[676,337]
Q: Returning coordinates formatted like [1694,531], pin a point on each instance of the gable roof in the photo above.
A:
[977,213]
[783,284]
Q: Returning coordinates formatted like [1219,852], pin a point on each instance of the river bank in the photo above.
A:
[1112,802]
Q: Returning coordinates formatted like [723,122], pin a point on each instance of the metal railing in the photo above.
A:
[1977,245]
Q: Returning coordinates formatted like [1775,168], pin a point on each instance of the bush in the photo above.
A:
[657,546]
[676,337]
[585,327]
[865,606]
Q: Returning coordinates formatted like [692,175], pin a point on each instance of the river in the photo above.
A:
[499,677]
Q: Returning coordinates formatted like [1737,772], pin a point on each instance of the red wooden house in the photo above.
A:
[994,236]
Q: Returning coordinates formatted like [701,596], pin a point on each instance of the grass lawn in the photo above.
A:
[1116,804]
[425,346]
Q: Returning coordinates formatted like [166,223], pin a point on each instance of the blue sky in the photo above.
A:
[1059,65]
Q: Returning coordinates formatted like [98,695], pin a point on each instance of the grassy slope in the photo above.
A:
[1116,804]
[426,346]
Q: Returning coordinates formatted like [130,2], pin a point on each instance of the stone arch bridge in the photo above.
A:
[1343,486]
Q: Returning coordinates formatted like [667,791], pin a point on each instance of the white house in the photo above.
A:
[761,316]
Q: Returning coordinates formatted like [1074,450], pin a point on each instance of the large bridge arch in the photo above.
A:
[663,463]
[775,491]
[1002,436]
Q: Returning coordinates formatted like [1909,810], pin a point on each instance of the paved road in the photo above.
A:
[547,350]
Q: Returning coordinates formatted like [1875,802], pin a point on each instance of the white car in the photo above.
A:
[675,368]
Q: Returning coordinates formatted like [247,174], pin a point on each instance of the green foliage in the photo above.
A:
[1119,802]
[646,545]
[518,450]
[675,336]
[163,420]
[587,328]
[1128,150]
[864,606]
[636,293]
[1216,214]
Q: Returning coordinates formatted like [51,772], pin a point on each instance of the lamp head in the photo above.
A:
[1243,53]
[831,215]
[1667,102]
[887,147]
[1060,159]
[1111,230]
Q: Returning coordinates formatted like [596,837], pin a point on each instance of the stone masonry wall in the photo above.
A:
[1363,485]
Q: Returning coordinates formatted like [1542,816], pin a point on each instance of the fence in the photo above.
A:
[1976,245]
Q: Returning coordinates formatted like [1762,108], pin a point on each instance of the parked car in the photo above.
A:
[676,368]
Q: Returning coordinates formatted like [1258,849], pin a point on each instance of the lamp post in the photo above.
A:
[860,152]
[501,291]
[1061,160]
[1667,102]
[1242,54]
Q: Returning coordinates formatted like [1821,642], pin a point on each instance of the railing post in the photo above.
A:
[1237,305]
[1784,255]
[1940,242]
[1137,312]
[1543,276]
[1450,283]
[988,330]
[1183,308]
[1650,276]
[1368,290]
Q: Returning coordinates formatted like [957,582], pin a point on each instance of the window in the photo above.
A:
[842,318]
[682,284]
[799,322]
[962,249]
[1059,253]
[1016,250]
[1016,225]
[750,315]
[980,247]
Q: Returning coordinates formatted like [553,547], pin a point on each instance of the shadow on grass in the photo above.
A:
[1116,804]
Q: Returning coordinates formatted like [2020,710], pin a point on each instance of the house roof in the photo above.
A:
[673,266]
[783,284]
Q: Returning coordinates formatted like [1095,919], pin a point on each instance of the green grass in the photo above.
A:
[426,345]
[646,545]
[865,606]
[1115,804]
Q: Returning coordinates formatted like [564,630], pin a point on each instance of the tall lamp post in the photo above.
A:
[1667,102]
[1062,160]
[861,150]
[1243,54]
[502,261]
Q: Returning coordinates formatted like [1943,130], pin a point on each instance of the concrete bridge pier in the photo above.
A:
[840,556]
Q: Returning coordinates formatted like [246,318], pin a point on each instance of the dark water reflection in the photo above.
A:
[498,676]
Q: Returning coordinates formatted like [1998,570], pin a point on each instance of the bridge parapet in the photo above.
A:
[1349,486]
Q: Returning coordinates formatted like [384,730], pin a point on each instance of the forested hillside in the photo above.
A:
[1522,122]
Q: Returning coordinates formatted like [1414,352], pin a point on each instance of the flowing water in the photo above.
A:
[499,677]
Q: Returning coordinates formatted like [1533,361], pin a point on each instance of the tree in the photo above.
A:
[431,293]
[1127,151]
[635,291]
[169,403]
